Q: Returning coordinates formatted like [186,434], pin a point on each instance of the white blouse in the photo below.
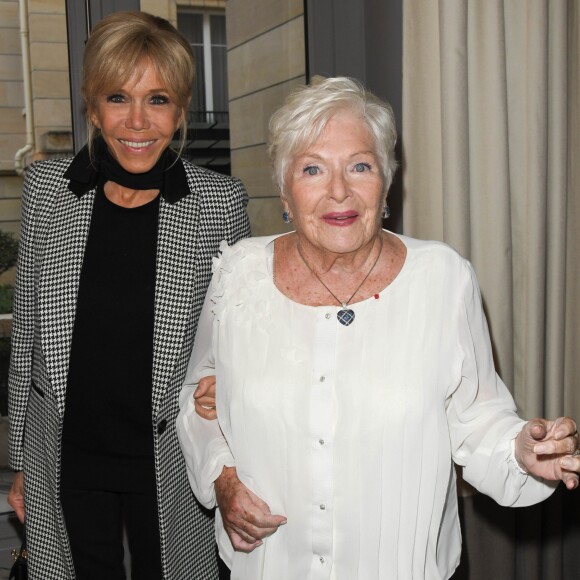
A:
[351,432]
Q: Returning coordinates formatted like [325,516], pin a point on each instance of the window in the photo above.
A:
[206,31]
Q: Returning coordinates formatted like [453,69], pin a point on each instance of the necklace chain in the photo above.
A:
[343,304]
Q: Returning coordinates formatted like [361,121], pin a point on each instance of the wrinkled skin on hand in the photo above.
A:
[247,519]
[547,449]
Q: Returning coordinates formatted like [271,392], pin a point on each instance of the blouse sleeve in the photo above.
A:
[482,414]
[204,447]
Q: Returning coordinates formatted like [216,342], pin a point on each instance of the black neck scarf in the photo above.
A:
[111,170]
[167,175]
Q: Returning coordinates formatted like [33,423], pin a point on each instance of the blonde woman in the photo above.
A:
[115,259]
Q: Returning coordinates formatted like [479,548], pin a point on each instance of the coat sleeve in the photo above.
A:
[23,319]
[238,224]
[482,414]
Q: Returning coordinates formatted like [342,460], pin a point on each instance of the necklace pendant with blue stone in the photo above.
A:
[345,315]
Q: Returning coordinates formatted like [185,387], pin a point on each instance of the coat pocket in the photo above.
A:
[37,389]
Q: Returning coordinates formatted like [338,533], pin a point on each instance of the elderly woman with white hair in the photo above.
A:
[354,368]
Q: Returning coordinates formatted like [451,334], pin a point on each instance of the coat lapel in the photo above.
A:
[177,247]
[63,250]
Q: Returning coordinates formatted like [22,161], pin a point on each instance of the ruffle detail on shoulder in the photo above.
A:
[240,273]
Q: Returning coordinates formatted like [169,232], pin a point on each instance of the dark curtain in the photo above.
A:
[540,542]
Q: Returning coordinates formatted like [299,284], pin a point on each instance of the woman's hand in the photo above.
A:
[204,398]
[550,449]
[16,495]
[247,519]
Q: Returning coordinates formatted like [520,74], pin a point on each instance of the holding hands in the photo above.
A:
[550,450]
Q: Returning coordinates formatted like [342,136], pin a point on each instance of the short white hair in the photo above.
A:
[298,124]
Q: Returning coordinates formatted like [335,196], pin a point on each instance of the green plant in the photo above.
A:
[4,362]
[8,256]
[8,251]
[6,296]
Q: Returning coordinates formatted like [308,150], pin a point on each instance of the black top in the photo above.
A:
[108,429]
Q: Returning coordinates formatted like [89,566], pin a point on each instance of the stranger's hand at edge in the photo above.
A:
[204,398]
[16,495]
[247,519]
[550,450]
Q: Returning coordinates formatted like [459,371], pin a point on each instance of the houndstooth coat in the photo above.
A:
[54,230]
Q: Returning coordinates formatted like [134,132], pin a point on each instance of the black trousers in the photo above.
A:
[94,522]
[223,570]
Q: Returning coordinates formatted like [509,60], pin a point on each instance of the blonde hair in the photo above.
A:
[301,120]
[124,43]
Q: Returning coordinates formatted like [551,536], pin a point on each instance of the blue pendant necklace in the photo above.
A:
[345,315]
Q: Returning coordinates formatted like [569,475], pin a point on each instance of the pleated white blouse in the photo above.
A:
[351,432]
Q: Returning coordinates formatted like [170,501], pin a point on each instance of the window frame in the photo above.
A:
[207,46]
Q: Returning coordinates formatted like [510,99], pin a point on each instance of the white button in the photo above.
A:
[321,441]
[322,560]
[322,507]
[322,379]
[327,315]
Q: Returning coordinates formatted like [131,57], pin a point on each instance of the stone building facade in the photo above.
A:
[266,59]
[35,115]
